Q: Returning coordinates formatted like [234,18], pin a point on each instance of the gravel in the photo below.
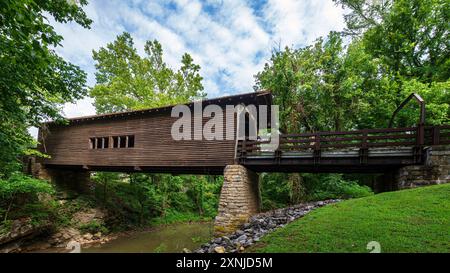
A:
[259,225]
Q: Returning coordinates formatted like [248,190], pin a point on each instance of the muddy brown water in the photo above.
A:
[170,238]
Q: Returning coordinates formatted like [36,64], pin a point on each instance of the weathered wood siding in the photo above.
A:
[154,148]
[154,145]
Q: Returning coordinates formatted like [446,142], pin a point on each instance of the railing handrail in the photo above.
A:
[362,139]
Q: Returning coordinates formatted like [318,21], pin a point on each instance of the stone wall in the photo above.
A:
[239,199]
[436,170]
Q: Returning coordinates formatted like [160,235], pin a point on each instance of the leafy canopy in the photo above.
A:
[395,48]
[34,80]
[410,36]
[127,81]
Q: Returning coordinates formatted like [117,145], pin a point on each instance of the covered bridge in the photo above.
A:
[141,141]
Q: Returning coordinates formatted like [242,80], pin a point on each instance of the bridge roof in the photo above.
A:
[261,97]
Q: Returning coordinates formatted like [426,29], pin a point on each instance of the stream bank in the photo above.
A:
[259,225]
[177,237]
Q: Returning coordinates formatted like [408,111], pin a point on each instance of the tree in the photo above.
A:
[395,48]
[310,86]
[410,36]
[127,81]
[405,45]
[34,80]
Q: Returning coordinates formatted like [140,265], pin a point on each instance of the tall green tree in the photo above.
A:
[34,80]
[127,81]
[406,44]
[410,36]
[310,86]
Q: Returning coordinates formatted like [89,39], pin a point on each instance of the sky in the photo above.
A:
[231,40]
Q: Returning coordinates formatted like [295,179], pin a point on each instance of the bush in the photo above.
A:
[93,227]
[140,199]
[276,190]
[21,189]
[333,186]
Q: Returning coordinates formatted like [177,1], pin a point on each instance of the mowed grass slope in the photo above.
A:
[416,220]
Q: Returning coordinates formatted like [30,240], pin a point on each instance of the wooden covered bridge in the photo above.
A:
[141,141]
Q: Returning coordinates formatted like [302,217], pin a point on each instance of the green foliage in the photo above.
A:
[140,199]
[437,98]
[5,226]
[161,248]
[334,186]
[310,86]
[127,81]
[34,80]
[19,183]
[277,191]
[415,220]
[395,48]
[24,189]
[94,227]
[410,37]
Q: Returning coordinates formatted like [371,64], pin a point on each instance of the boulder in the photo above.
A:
[219,249]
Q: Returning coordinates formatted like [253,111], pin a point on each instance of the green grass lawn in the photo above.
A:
[416,220]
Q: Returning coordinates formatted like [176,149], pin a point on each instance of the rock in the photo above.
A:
[259,225]
[219,249]
[87,236]
[20,229]
[242,238]
[226,239]
[185,250]
[89,215]
[97,235]
[239,232]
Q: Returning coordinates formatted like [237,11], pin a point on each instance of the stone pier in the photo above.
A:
[436,170]
[239,199]
[75,181]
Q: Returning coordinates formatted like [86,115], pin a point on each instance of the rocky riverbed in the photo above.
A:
[27,237]
[257,226]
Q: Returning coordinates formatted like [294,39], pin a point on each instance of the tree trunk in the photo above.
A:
[9,208]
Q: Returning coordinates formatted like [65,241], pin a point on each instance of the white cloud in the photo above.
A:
[297,23]
[231,44]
